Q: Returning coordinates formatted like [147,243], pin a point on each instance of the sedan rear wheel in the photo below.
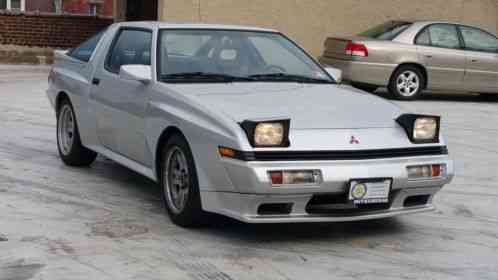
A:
[407,83]
[180,188]
[71,151]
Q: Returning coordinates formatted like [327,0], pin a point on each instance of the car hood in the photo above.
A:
[309,106]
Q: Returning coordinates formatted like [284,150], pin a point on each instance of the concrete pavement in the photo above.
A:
[107,222]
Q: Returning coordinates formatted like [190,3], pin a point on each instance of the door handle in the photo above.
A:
[96,81]
[474,60]
[428,56]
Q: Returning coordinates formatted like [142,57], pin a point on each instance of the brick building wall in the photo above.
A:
[56,31]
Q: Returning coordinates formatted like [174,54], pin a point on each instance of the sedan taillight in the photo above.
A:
[355,49]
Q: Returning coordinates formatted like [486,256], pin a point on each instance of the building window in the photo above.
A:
[93,9]
[17,5]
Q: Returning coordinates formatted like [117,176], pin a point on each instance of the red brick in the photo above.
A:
[48,30]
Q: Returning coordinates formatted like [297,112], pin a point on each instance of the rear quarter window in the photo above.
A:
[387,31]
[423,38]
[86,49]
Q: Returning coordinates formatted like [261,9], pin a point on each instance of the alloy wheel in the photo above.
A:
[408,83]
[66,129]
[176,179]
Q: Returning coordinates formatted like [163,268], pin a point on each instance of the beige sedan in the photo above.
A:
[410,57]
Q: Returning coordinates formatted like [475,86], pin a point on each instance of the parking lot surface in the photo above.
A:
[107,222]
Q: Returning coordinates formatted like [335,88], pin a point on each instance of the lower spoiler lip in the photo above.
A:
[339,155]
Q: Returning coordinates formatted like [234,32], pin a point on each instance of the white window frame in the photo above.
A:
[23,5]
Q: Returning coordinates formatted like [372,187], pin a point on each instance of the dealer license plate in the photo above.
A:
[370,191]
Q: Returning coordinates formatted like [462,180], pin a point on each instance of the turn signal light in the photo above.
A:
[226,152]
[426,171]
[295,177]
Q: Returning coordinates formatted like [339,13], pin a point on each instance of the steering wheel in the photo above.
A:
[274,69]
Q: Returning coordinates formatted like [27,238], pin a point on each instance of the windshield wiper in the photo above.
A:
[288,77]
[202,76]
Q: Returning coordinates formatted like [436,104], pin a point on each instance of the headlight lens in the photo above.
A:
[420,128]
[425,129]
[269,134]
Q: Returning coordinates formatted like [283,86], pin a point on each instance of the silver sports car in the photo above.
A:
[242,122]
[409,57]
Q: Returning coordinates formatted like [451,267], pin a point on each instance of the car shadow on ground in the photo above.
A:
[234,230]
[443,97]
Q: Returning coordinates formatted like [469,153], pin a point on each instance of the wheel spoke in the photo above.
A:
[411,77]
[177,183]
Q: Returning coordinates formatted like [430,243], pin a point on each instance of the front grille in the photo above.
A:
[341,155]
[338,204]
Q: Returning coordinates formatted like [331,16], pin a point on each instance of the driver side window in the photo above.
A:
[130,47]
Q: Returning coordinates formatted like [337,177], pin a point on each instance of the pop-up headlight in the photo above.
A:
[267,133]
[420,128]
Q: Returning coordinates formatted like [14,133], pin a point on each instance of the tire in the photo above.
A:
[71,151]
[179,184]
[365,87]
[407,83]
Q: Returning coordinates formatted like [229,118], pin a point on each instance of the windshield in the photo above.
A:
[221,55]
[387,31]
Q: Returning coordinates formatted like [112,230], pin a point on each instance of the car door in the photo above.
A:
[440,49]
[481,73]
[120,104]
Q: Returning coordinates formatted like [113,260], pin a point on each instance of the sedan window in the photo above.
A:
[131,47]
[444,36]
[478,40]
[386,31]
[423,38]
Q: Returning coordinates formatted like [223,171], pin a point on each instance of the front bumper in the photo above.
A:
[254,191]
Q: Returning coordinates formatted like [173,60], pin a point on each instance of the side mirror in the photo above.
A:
[140,73]
[335,73]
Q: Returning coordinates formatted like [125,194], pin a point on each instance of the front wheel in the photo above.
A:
[180,187]
[71,151]
[406,83]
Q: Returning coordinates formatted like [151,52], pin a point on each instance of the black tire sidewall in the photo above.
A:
[393,89]
[192,214]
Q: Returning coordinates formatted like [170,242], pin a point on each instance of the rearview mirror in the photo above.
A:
[335,73]
[141,73]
